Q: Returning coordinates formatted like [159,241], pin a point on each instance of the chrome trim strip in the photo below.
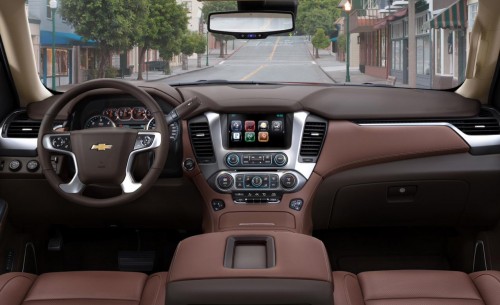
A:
[472,141]
[129,185]
[15,143]
[75,186]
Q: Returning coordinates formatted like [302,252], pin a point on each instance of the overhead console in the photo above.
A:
[257,157]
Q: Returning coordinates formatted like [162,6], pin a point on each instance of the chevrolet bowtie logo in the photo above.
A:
[101,147]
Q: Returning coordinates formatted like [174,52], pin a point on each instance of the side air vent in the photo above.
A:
[484,124]
[312,140]
[22,127]
[202,142]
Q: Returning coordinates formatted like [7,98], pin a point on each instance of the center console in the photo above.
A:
[254,162]
[255,267]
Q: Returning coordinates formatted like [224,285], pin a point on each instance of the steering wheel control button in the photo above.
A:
[60,142]
[218,204]
[225,181]
[280,159]
[32,166]
[296,204]
[288,181]
[232,159]
[15,165]
[188,164]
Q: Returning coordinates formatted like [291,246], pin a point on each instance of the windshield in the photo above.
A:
[414,43]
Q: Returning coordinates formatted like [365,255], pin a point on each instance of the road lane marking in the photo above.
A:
[221,62]
[253,72]
[313,62]
[274,49]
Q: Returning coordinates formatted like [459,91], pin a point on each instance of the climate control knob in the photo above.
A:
[232,159]
[280,159]
[288,181]
[225,181]
[256,181]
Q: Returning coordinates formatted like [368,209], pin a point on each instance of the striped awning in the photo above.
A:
[453,17]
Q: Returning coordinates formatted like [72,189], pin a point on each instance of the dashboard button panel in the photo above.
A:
[257,159]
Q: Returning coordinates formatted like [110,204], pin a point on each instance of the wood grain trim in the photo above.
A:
[349,145]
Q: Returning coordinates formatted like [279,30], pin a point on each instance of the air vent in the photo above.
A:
[485,124]
[202,142]
[22,127]
[312,140]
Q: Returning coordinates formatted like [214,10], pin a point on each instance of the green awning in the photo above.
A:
[453,17]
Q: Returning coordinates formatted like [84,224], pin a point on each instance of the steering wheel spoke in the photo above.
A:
[75,186]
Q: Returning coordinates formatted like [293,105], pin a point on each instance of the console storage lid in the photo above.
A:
[250,267]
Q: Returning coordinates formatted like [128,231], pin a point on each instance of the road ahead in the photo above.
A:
[282,58]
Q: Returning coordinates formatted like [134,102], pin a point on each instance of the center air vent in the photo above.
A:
[202,142]
[484,124]
[312,140]
[22,127]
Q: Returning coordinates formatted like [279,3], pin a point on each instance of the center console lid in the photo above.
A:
[261,267]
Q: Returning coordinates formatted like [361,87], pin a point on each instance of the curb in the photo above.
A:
[186,72]
[320,67]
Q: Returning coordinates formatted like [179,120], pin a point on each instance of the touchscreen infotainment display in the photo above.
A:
[257,130]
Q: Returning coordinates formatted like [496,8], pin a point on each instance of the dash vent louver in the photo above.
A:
[312,139]
[484,124]
[202,142]
[22,127]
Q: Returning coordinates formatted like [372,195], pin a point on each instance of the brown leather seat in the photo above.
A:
[417,287]
[83,288]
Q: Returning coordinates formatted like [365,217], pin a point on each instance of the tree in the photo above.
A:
[187,48]
[218,6]
[199,47]
[111,24]
[313,14]
[320,41]
[166,22]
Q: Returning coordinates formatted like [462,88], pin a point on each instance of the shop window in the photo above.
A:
[472,14]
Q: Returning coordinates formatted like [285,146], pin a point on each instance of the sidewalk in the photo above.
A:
[213,59]
[336,70]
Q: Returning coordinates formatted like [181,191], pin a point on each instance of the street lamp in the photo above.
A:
[347,9]
[53,7]
[207,47]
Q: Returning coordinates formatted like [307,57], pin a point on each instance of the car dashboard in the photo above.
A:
[295,157]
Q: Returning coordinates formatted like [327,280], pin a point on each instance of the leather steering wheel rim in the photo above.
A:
[161,141]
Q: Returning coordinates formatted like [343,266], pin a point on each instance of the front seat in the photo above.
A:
[83,288]
[417,287]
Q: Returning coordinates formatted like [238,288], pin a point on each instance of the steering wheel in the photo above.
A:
[103,156]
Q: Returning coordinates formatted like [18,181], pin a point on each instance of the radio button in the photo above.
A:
[280,159]
[232,160]
[225,181]
[288,181]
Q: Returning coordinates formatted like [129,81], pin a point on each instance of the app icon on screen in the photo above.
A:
[236,126]
[249,136]
[277,125]
[236,136]
[263,125]
[250,126]
[263,136]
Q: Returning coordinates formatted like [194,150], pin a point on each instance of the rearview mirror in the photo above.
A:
[251,25]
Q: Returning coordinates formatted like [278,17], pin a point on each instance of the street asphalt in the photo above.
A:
[278,58]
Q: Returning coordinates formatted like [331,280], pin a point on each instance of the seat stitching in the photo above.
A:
[13,278]
[19,276]
[345,287]
[158,289]
[480,275]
